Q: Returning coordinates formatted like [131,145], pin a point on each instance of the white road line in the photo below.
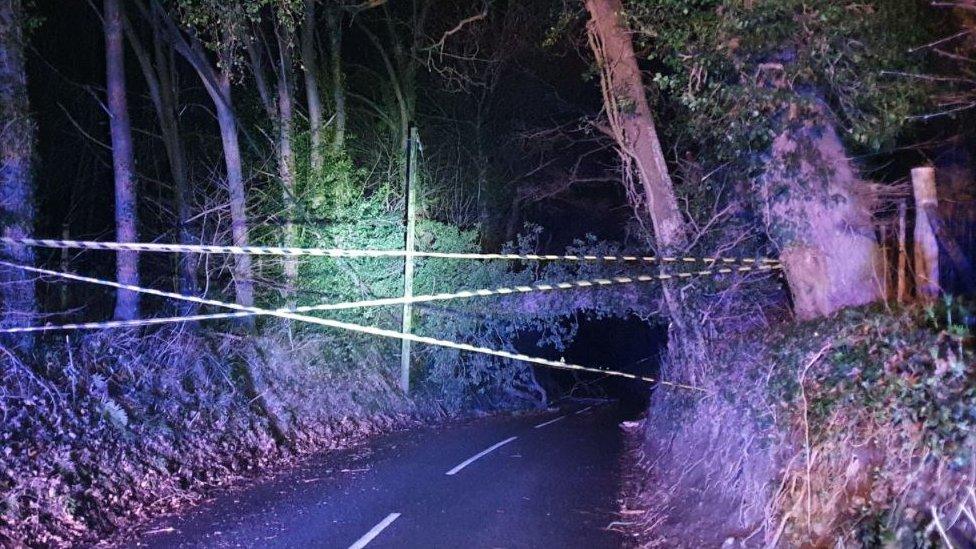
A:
[550,422]
[361,542]
[479,455]
[578,412]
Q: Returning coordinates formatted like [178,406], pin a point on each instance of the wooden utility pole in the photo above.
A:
[410,195]
[926,245]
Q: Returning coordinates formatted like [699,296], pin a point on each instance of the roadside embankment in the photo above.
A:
[851,431]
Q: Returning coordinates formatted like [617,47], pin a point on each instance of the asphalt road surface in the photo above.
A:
[542,480]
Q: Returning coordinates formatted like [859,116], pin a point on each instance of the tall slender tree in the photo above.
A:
[214,60]
[400,53]
[631,121]
[279,105]
[16,148]
[313,95]
[123,162]
[334,21]
[159,73]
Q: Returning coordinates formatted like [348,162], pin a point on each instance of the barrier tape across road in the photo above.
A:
[380,302]
[339,252]
[370,330]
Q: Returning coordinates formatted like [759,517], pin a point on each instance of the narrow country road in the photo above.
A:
[543,480]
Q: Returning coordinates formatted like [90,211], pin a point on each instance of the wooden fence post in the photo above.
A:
[885,265]
[902,281]
[926,245]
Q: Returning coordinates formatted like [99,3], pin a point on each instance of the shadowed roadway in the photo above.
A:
[542,480]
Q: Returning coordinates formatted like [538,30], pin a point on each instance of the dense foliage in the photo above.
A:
[727,70]
[898,386]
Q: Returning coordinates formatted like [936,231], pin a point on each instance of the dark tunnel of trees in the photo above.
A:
[630,344]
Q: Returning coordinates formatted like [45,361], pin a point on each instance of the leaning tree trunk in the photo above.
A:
[631,120]
[818,212]
[16,146]
[127,263]
[632,127]
[217,82]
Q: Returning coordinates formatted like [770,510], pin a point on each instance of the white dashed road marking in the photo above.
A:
[578,412]
[478,456]
[361,542]
[550,422]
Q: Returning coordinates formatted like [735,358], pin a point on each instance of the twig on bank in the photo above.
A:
[806,431]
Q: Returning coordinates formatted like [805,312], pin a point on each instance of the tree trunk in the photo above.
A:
[16,147]
[334,20]
[279,106]
[632,122]
[817,212]
[158,73]
[176,154]
[632,127]
[312,94]
[218,87]
[123,163]
[286,158]
[227,120]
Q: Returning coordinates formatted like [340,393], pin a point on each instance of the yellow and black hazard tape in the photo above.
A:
[378,302]
[355,253]
[245,310]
